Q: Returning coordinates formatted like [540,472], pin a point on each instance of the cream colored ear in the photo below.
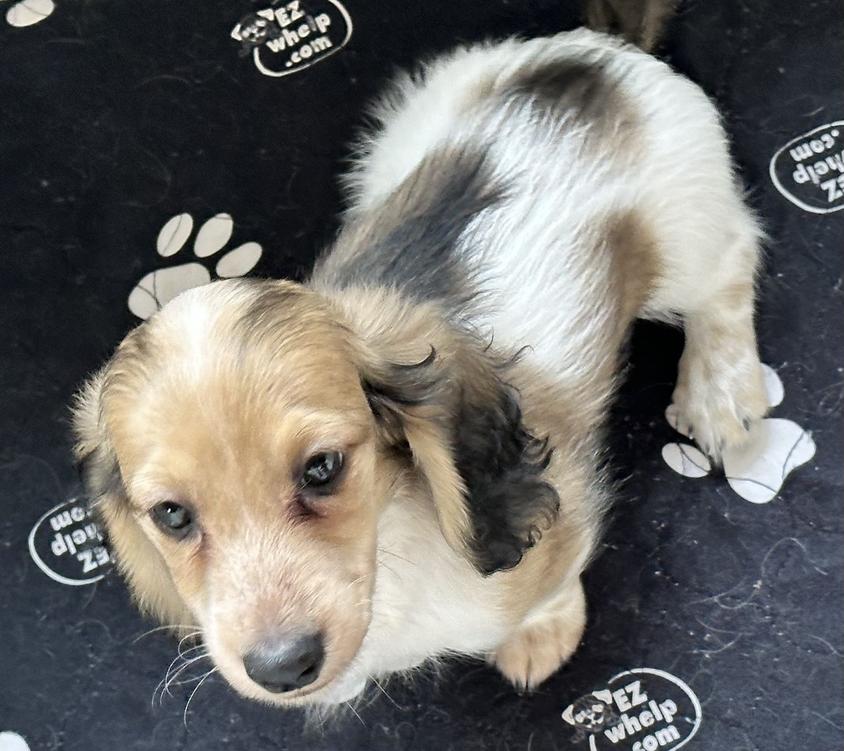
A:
[137,558]
[430,446]
[87,428]
[409,405]
[142,566]
[406,392]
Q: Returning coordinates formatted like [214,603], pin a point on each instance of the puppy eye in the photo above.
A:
[322,469]
[173,519]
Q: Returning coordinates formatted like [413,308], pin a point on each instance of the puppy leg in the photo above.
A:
[544,642]
[720,390]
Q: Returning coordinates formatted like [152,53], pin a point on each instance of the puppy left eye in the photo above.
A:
[322,469]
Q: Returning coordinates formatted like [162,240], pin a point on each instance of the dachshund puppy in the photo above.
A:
[402,457]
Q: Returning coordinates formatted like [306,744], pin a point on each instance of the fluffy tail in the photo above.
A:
[641,22]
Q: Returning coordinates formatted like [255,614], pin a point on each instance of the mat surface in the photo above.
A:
[125,127]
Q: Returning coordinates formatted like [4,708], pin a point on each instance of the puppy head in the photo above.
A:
[241,444]
[232,453]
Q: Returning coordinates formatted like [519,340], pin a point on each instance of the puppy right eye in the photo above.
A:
[321,470]
[172,519]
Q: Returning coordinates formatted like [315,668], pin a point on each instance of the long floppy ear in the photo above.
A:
[463,426]
[410,404]
[137,558]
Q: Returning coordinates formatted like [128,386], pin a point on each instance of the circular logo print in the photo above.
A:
[67,544]
[639,710]
[10,741]
[809,169]
[289,36]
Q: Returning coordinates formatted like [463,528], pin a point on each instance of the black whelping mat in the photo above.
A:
[141,153]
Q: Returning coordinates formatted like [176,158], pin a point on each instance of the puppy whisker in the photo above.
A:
[172,682]
[187,652]
[355,713]
[192,635]
[170,675]
[193,693]
[170,678]
[186,681]
[384,691]
[169,627]
[173,662]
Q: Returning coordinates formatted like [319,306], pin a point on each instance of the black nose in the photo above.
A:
[286,664]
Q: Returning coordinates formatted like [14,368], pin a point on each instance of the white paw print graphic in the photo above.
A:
[29,12]
[159,287]
[10,741]
[757,469]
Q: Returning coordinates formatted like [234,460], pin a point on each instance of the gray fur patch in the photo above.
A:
[573,91]
[409,241]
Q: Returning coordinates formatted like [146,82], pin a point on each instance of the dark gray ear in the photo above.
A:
[100,475]
[502,464]
[506,502]
[95,459]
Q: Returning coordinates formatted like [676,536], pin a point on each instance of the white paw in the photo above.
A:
[158,287]
[10,741]
[29,12]
[757,468]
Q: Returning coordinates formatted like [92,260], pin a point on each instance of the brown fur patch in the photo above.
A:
[635,261]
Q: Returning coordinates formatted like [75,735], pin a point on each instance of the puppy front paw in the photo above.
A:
[537,650]
[718,407]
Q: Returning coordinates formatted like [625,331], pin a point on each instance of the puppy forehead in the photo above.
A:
[246,320]
[276,338]
[237,367]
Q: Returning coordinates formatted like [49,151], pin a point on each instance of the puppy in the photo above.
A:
[402,457]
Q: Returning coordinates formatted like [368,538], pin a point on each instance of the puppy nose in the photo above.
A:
[287,664]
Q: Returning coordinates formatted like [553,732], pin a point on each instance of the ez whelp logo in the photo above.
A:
[67,545]
[289,36]
[639,710]
[809,169]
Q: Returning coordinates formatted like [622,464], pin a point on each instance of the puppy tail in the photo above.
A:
[640,22]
